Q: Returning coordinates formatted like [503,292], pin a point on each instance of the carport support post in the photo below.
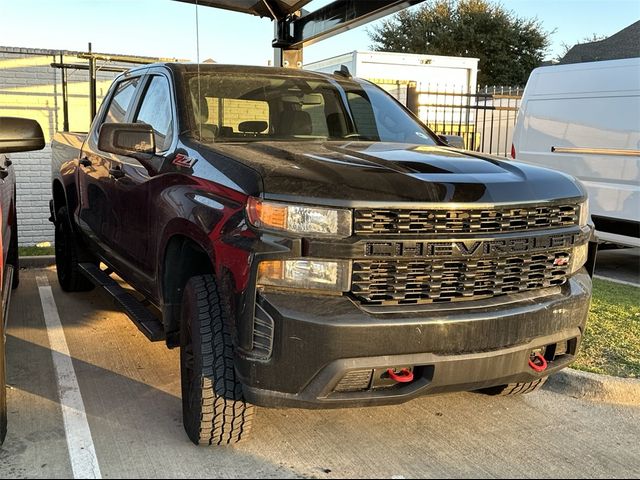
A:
[284,55]
[288,58]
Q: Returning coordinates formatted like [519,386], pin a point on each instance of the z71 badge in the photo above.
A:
[183,161]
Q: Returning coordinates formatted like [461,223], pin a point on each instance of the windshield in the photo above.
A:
[229,107]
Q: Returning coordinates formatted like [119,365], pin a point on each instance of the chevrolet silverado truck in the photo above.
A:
[16,135]
[307,242]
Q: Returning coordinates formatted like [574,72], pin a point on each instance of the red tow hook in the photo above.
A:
[537,362]
[403,376]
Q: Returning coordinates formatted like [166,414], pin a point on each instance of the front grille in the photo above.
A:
[403,282]
[495,220]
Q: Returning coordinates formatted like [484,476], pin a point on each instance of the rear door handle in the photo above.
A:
[116,172]
[85,162]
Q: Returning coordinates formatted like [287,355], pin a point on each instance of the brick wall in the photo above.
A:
[31,88]
[236,112]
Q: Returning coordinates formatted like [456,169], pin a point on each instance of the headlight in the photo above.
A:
[306,274]
[299,219]
[578,258]
[584,213]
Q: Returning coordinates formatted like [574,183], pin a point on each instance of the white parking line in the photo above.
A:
[82,453]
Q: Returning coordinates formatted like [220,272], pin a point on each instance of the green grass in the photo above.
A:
[35,251]
[611,344]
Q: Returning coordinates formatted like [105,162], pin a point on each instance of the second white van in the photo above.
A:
[584,119]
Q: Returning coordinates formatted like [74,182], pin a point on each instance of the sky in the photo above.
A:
[167,28]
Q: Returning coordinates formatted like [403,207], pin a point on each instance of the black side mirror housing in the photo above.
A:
[20,135]
[134,140]
[455,141]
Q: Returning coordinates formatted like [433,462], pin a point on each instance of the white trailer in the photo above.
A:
[396,71]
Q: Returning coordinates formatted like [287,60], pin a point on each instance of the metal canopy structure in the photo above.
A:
[296,28]
[274,9]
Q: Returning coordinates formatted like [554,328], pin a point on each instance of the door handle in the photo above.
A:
[116,172]
[85,162]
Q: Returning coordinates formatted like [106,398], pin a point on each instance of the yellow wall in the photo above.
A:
[31,88]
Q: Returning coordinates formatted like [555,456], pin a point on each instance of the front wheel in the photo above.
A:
[213,407]
[515,388]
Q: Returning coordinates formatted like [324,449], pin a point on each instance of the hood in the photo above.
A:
[344,173]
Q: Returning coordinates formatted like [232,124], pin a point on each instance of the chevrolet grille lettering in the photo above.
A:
[470,248]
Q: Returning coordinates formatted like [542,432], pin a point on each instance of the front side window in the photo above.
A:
[121,101]
[156,111]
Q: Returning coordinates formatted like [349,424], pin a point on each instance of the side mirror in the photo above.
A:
[455,141]
[20,135]
[134,140]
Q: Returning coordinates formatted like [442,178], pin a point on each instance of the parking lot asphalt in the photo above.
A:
[130,390]
[621,264]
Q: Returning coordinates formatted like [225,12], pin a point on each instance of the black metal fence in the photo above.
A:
[484,119]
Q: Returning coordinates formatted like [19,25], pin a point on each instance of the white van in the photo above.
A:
[584,119]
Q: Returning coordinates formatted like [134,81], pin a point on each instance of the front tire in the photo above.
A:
[515,388]
[68,254]
[213,407]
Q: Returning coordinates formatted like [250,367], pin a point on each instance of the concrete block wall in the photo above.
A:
[237,111]
[31,88]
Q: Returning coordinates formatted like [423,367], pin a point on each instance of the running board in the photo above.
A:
[146,322]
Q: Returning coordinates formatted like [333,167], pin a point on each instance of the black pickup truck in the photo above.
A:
[307,242]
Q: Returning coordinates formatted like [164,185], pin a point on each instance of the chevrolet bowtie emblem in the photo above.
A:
[561,261]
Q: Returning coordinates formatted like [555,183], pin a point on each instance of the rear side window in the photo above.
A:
[156,111]
[121,101]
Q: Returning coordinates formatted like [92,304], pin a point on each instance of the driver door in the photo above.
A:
[97,216]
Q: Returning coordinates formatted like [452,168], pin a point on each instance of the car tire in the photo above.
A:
[68,255]
[13,257]
[213,407]
[515,388]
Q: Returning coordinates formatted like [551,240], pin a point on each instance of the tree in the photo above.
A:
[508,46]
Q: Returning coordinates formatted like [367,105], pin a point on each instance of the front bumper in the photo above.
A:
[317,341]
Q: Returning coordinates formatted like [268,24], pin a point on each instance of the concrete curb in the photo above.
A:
[37,261]
[590,386]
